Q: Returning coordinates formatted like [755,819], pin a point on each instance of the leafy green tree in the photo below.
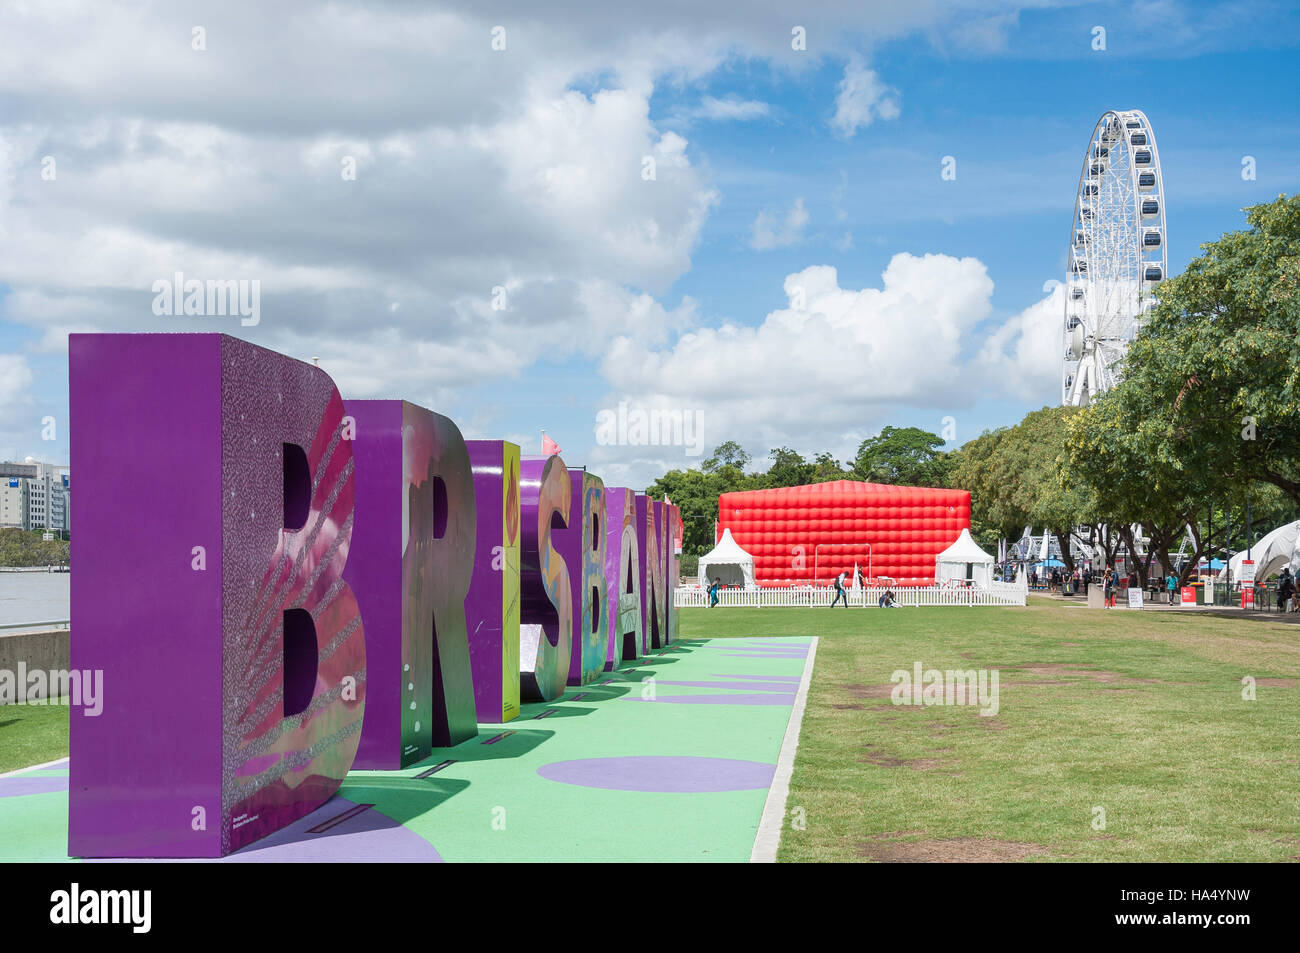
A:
[1214,378]
[696,492]
[1210,396]
[729,454]
[827,469]
[788,468]
[1117,447]
[905,456]
[19,547]
[1014,478]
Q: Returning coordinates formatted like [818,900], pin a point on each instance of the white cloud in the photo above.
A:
[862,98]
[826,364]
[732,107]
[475,170]
[834,364]
[1022,358]
[15,381]
[19,424]
[769,233]
[547,202]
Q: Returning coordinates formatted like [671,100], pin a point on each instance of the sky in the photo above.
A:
[567,216]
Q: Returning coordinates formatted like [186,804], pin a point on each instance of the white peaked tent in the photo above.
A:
[964,560]
[727,562]
[1273,552]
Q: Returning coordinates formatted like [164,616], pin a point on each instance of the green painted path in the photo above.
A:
[635,767]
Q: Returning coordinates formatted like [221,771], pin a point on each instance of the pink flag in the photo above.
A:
[549,446]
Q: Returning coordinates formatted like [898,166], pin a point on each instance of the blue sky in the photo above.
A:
[521,171]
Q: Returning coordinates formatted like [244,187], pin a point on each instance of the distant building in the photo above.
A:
[35,496]
[13,512]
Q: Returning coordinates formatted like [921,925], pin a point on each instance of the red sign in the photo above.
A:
[1189,595]
[1248,598]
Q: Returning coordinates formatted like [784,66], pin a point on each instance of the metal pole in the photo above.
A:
[1249,534]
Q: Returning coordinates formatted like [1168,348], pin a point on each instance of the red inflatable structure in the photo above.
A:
[809,534]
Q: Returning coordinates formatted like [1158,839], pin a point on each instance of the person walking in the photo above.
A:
[1108,589]
[839,590]
[713,592]
[1171,586]
[1285,589]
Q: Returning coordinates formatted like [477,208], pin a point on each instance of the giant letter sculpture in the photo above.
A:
[673,550]
[652,574]
[545,597]
[212,599]
[662,538]
[492,607]
[449,534]
[582,545]
[390,572]
[622,577]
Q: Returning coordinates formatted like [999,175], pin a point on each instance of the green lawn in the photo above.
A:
[31,734]
[1139,714]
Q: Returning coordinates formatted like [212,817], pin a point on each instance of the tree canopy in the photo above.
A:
[906,456]
[1211,386]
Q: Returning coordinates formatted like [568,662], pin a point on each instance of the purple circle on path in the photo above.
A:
[765,655]
[760,678]
[19,785]
[661,774]
[738,698]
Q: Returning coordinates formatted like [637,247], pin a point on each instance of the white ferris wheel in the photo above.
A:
[1117,252]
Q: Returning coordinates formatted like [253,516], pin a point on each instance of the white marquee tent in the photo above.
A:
[1273,552]
[964,560]
[727,562]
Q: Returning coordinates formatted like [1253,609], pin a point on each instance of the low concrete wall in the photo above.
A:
[43,651]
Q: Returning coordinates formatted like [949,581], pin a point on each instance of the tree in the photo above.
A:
[1210,395]
[788,468]
[827,469]
[696,493]
[1213,378]
[728,454]
[904,456]
[19,547]
[1118,446]
[1014,475]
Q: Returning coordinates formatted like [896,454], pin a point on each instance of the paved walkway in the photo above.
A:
[667,760]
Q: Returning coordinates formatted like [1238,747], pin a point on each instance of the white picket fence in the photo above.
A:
[998,594]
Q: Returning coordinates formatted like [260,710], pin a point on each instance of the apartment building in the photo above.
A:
[35,496]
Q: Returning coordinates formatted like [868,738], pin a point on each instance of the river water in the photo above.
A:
[33,596]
